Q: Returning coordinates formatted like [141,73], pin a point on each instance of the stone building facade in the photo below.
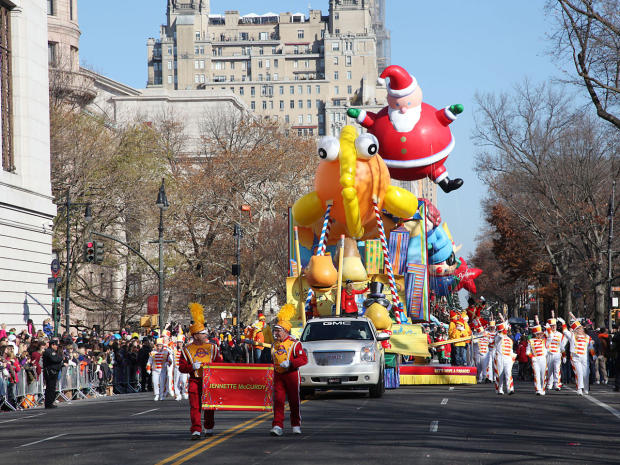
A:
[26,206]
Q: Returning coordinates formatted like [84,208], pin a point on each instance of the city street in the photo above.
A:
[428,424]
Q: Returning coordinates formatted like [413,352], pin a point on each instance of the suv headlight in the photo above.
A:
[368,353]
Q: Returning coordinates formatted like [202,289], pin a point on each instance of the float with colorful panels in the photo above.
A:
[358,230]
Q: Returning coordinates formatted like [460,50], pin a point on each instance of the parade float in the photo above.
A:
[356,227]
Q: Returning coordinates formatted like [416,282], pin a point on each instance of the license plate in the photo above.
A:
[334,380]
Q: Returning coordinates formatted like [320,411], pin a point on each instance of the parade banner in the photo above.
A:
[408,340]
[236,386]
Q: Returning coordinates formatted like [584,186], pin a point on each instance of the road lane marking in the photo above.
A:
[42,440]
[434,426]
[609,408]
[444,401]
[142,413]
[451,388]
[207,444]
[21,418]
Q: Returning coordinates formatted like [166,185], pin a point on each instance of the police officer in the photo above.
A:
[52,364]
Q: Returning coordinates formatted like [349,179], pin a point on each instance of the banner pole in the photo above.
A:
[300,304]
[340,266]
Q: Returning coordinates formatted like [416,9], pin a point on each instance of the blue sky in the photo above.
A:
[454,48]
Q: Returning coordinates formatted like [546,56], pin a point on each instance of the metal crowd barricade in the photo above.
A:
[30,394]
[4,393]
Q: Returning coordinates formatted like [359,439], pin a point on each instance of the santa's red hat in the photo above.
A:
[401,82]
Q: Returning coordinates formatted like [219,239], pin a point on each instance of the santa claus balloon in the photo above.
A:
[414,137]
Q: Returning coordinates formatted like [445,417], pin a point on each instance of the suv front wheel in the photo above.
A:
[378,389]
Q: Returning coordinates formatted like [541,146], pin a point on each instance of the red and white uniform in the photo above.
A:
[581,347]
[286,380]
[180,379]
[158,363]
[537,351]
[205,353]
[491,365]
[555,343]
[482,354]
[502,363]
[418,153]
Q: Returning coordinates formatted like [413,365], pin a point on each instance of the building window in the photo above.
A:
[287,119]
[260,63]
[295,64]
[232,78]
[263,36]
[308,118]
[300,33]
[349,90]
[202,64]
[317,104]
[347,60]
[296,50]
[349,75]
[292,103]
[170,79]
[300,103]
[335,46]
[196,78]
[196,65]
[300,90]
[281,90]
[275,76]
[267,64]
[318,89]
[241,91]
[252,91]
[281,105]
[253,105]
[275,63]
[336,75]
[261,50]
[348,45]
[308,103]
[300,119]
[260,77]
[50,8]
[197,35]
[292,90]
[308,89]
[202,78]
[336,90]
[52,54]
[202,50]
[264,104]
[335,60]
[232,65]
[196,50]
[337,31]
[6,102]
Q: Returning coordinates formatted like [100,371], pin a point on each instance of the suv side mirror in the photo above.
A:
[382,336]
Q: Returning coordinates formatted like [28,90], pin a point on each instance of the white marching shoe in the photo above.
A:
[156,398]
[179,397]
[185,396]
[277,431]
[580,392]
[296,429]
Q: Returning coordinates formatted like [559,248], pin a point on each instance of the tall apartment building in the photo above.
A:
[288,66]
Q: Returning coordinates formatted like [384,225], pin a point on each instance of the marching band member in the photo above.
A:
[504,358]
[481,352]
[180,379]
[581,346]
[170,343]
[194,356]
[492,331]
[288,355]
[555,346]
[537,351]
[157,366]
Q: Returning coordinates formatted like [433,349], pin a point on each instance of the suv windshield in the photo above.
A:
[329,330]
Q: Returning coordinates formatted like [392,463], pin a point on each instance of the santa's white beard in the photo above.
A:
[404,122]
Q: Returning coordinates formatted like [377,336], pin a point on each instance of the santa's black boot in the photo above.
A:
[449,185]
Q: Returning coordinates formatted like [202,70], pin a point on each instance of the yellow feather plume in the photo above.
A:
[286,312]
[198,312]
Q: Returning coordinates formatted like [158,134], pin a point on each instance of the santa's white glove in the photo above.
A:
[197,365]
[285,364]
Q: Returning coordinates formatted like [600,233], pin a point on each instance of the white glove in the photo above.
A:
[197,365]
[285,364]
[561,320]
[563,359]
[148,370]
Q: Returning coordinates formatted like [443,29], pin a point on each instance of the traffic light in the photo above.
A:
[89,252]
[99,250]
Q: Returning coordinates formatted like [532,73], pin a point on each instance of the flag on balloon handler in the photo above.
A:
[237,387]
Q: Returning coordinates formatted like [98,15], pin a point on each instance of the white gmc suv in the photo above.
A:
[343,353]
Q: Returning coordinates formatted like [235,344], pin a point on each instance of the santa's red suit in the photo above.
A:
[286,379]
[204,353]
[418,153]
[349,307]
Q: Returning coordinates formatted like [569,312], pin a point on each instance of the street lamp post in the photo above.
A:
[68,204]
[238,232]
[162,203]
